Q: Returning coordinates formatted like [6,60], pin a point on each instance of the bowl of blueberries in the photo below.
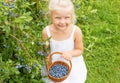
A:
[58,70]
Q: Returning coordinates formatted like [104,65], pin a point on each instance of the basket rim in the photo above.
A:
[50,64]
[59,62]
[50,59]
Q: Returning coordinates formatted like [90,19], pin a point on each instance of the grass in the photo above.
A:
[101,36]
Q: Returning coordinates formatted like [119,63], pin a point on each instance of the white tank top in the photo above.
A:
[61,46]
[78,72]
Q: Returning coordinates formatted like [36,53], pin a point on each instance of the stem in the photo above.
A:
[37,4]
[24,48]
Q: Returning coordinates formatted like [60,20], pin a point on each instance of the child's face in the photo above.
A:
[61,19]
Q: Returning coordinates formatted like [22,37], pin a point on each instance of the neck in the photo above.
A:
[62,31]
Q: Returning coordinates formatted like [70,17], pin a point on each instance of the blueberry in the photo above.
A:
[12,6]
[4,45]
[41,43]
[26,35]
[35,65]
[4,4]
[40,53]
[18,66]
[78,6]
[41,24]
[18,48]
[58,71]
[42,12]
[10,13]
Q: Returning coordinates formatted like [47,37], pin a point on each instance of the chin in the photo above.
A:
[62,28]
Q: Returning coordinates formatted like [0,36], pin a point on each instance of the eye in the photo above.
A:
[67,17]
[57,17]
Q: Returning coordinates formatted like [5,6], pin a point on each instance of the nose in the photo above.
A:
[62,21]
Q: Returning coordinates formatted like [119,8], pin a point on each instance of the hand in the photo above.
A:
[66,55]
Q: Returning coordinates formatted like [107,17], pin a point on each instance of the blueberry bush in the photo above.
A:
[21,47]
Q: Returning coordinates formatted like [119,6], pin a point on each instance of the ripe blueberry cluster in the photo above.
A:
[58,71]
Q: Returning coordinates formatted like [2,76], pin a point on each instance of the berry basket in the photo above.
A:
[58,70]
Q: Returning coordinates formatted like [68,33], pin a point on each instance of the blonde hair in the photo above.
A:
[59,4]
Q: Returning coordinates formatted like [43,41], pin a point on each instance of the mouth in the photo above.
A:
[62,26]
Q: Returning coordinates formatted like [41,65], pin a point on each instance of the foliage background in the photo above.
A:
[21,46]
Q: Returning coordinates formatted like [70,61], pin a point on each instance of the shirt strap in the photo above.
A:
[48,31]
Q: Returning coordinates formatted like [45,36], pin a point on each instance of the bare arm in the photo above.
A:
[78,43]
[46,41]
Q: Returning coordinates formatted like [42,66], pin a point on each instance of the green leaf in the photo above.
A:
[6,29]
[23,19]
[29,18]
[27,27]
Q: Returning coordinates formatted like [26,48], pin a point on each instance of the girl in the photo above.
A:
[66,37]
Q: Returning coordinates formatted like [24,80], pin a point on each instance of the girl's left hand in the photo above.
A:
[66,55]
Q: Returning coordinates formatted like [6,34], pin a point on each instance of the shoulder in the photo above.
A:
[78,31]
